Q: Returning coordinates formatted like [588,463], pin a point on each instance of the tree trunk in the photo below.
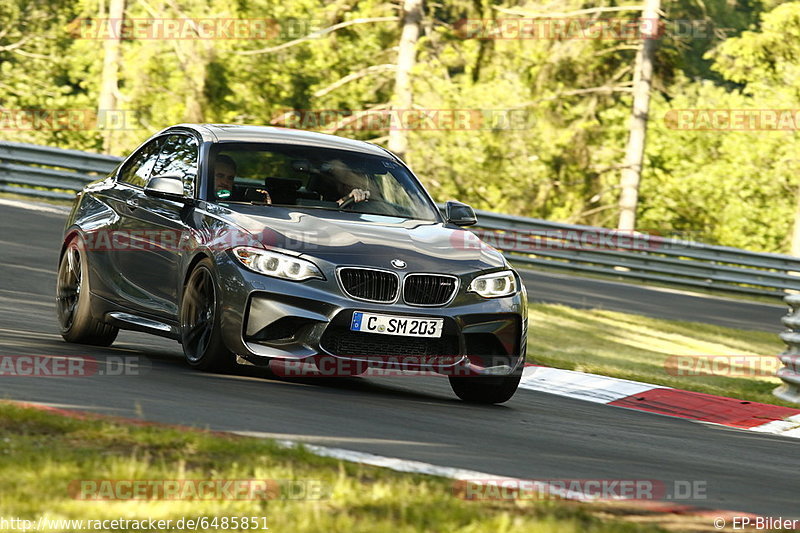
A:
[107,100]
[196,71]
[795,250]
[407,56]
[634,153]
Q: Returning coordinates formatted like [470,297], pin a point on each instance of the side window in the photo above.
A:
[179,156]
[137,171]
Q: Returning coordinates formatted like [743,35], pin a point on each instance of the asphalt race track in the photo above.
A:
[533,436]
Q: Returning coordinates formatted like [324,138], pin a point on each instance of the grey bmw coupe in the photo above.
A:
[270,246]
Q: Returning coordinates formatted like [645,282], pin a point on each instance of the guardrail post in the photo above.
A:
[790,373]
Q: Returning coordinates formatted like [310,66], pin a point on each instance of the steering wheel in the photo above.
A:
[347,203]
[376,206]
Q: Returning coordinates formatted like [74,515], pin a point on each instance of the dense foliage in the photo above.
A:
[549,115]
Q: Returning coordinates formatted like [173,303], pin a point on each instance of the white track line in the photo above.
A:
[33,206]
[459,474]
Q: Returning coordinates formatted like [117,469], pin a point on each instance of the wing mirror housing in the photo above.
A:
[460,214]
[167,186]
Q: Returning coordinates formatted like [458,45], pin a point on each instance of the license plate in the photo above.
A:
[407,326]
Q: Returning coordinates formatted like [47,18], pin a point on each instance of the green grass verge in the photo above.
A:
[643,349]
[41,453]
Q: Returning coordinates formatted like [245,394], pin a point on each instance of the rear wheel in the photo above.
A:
[73,305]
[486,389]
[201,334]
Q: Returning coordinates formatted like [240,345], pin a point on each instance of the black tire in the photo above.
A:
[200,314]
[486,389]
[73,301]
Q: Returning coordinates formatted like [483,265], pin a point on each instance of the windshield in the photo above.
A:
[313,177]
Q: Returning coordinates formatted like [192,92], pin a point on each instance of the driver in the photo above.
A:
[349,184]
[224,173]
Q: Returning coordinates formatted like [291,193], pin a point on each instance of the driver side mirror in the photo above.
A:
[167,186]
[460,214]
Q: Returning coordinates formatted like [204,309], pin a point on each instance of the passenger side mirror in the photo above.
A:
[460,214]
[167,186]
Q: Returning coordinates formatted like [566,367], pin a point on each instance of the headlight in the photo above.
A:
[495,285]
[276,264]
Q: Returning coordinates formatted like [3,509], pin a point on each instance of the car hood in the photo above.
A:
[346,238]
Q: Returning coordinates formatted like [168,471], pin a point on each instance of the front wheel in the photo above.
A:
[486,389]
[73,305]
[201,334]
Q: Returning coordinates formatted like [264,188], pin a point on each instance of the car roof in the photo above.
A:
[225,133]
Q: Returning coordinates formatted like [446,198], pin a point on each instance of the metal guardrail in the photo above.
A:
[43,171]
[790,373]
[37,170]
[541,243]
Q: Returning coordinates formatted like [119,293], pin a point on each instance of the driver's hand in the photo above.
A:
[358,195]
[267,197]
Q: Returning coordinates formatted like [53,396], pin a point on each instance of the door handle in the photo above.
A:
[133,203]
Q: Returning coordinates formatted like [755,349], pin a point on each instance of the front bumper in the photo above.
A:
[265,318]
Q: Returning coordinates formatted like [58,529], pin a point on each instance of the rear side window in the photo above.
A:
[179,156]
[137,170]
